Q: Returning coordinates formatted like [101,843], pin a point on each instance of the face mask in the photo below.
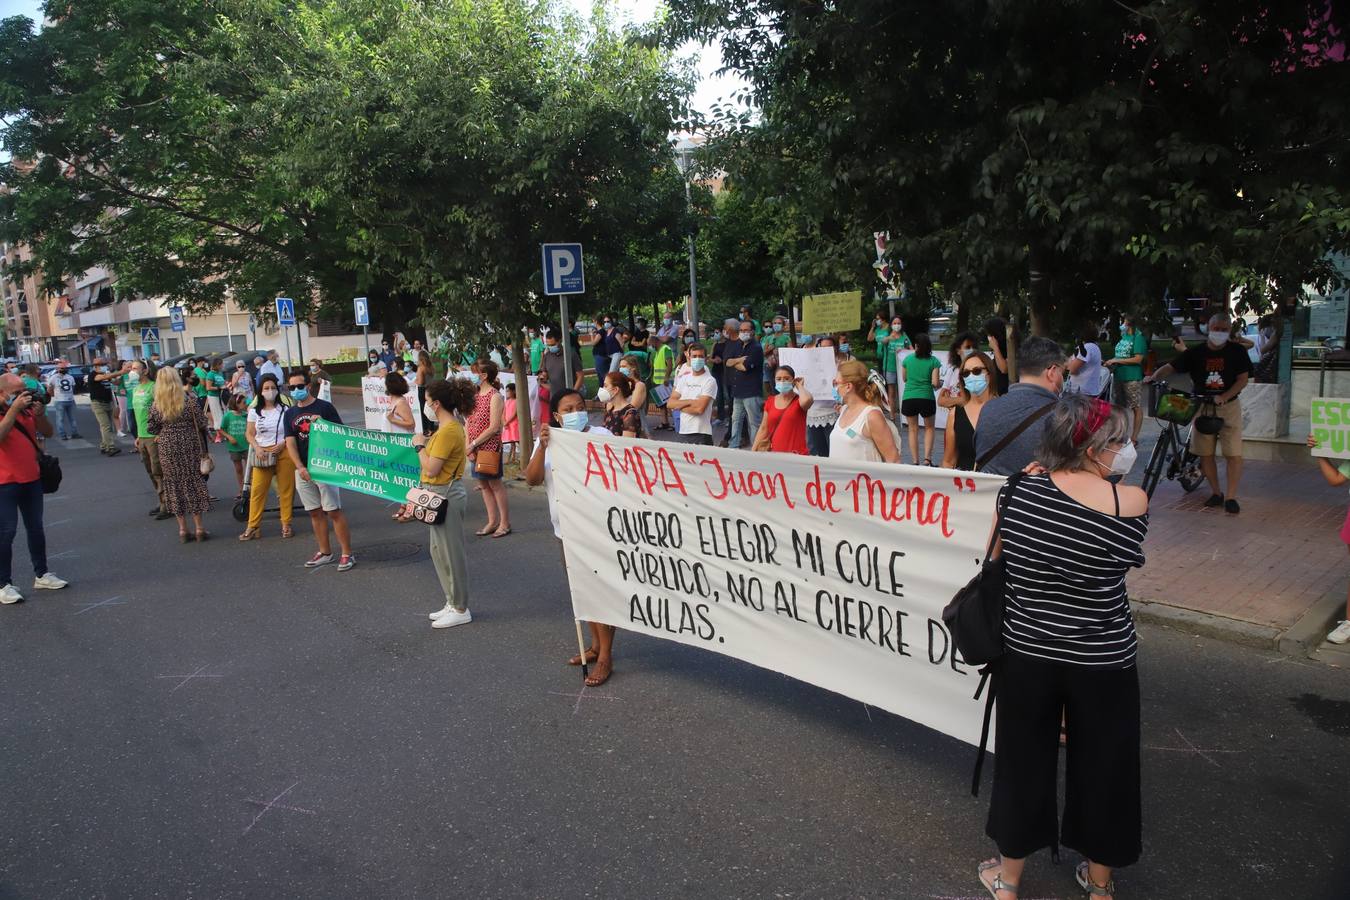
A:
[834,393]
[475,378]
[783,387]
[429,411]
[374,358]
[843,348]
[698,363]
[609,324]
[777,326]
[688,340]
[741,316]
[133,377]
[299,393]
[269,395]
[746,337]
[1218,338]
[1123,461]
[895,326]
[575,421]
[100,369]
[625,371]
[314,369]
[1124,329]
[976,384]
[556,348]
[666,321]
[966,352]
[604,395]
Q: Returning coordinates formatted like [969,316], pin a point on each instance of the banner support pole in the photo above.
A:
[581,649]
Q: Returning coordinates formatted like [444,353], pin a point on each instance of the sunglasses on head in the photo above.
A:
[977,370]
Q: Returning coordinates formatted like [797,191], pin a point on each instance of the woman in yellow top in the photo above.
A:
[443,457]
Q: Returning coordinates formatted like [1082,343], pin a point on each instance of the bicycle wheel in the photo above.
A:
[1157,461]
[1189,475]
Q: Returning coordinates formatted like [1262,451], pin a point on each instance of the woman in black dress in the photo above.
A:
[975,380]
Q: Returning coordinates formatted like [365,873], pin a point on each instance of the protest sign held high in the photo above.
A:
[829,313]
[371,462]
[816,366]
[1330,420]
[829,572]
[376,401]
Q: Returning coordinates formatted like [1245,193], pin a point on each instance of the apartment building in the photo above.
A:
[31,332]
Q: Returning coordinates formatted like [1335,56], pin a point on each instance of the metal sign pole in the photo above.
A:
[365,333]
[563,340]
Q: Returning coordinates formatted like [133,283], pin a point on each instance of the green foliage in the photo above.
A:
[1083,155]
[415,151]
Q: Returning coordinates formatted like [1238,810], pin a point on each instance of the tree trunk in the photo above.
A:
[523,396]
[1041,291]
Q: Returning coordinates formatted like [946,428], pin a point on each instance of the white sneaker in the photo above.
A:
[440,612]
[450,618]
[1340,634]
[49,582]
[10,594]
[318,559]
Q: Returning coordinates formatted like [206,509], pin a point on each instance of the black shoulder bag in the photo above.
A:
[49,467]
[974,618]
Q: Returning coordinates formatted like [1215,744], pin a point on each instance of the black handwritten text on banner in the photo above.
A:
[832,573]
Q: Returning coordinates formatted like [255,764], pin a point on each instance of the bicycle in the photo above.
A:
[1177,411]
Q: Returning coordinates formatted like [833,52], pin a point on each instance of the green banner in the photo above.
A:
[372,462]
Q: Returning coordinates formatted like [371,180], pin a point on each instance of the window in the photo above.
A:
[337,326]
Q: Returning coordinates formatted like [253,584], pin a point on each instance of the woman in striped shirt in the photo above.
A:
[1068,538]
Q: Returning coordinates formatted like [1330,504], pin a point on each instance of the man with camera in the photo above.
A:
[1219,369]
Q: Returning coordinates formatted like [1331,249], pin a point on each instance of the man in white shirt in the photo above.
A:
[61,388]
[693,398]
[272,366]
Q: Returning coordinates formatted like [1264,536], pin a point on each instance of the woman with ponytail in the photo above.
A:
[859,434]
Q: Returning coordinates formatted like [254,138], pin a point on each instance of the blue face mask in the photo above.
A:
[688,339]
[777,326]
[575,421]
[626,371]
[976,384]
[843,348]
[698,363]
[476,378]
[834,393]
[783,387]
[299,393]
[555,348]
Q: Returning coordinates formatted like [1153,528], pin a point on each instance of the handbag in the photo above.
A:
[49,467]
[426,506]
[207,465]
[262,459]
[974,618]
[487,462]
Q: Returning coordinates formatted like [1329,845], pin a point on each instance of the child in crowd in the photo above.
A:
[233,427]
[1337,473]
[510,427]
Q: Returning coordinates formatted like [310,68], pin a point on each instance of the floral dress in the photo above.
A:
[180,443]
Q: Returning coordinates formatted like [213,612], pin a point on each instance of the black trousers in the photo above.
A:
[1102,817]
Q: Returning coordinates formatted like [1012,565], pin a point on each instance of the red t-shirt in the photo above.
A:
[787,426]
[18,458]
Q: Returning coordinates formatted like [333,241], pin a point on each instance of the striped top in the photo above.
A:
[1066,567]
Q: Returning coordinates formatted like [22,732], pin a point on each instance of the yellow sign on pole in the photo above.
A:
[828,313]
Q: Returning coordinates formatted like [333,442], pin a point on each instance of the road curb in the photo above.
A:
[1302,639]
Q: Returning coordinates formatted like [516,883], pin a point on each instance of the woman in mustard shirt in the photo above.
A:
[442,457]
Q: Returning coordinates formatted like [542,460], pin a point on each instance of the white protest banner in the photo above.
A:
[376,401]
[817,366]
[1330,420]
[834,573]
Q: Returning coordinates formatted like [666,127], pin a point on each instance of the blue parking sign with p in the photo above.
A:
[362,311]
[563,273]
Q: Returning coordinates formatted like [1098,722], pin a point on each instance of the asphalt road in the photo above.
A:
[330,744]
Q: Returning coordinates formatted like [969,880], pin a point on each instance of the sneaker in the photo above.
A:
[1339,635]
[121,434]
[11,594]
[450,618]
[318,559]
[49,582]
[1214,500]
[440,612]
[346,562]
[1231,506]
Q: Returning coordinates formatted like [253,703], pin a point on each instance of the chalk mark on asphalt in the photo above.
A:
[1190,747]
[273,804]
[111,601]
[581,695]
[57,522]
[187,678]
[63,554]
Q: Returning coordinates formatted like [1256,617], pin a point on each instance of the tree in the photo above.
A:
[1084,155]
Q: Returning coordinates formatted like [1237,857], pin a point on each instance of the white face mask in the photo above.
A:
[269,395]
[1218,338]
[604,395]
[1124,460]
[429,411]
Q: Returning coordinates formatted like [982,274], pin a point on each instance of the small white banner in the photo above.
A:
[832,573]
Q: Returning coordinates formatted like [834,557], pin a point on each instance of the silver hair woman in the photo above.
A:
[1069,535]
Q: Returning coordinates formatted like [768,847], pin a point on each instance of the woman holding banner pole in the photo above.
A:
[858,434]
[443,458]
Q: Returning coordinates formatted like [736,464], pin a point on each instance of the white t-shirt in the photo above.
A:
[691,386]
[548,480]
[267,426]
[61,387]
[1088,379]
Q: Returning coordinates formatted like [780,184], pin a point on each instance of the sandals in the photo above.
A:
[287,531]
[484,532]
[250,534]
[203,535]
[1090,887]
[184,537]
[591,656]
[501,534]
[600,675]
[998,884]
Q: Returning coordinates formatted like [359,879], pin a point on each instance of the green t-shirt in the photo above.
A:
[887,349]
[36,387]
[142,397]
[235,425]
[1131,345]
[215,381]
[777,339]
[536,353]
[919,377]
[202,377]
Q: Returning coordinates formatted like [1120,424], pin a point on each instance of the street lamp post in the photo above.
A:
[684,159]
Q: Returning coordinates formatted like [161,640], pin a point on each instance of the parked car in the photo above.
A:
[247,356]
[177,361]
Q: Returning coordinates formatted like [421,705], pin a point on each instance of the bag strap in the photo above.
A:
[1013,435]
[1004,497]
[984,729]
[31,439]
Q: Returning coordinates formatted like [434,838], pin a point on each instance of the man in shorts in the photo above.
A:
[323,502]
[1220,369]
